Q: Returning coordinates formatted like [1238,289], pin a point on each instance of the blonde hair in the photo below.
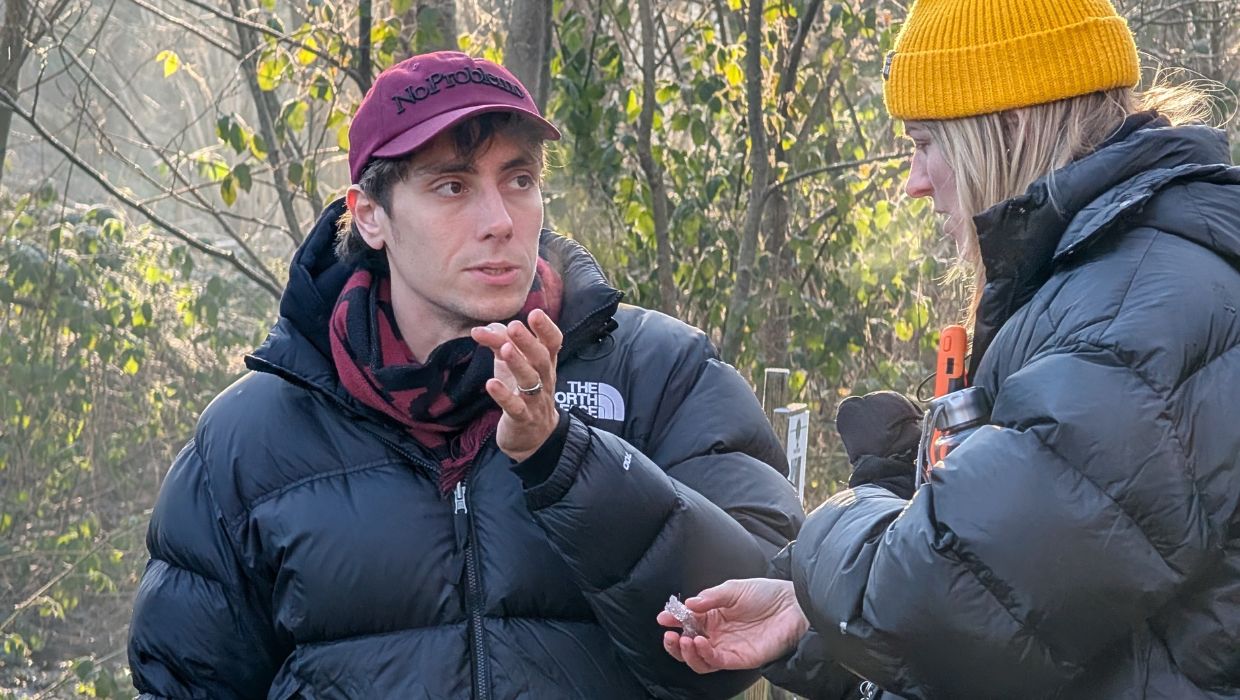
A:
[995,157]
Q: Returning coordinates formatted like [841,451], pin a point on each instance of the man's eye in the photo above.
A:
[450,188]
[524,181]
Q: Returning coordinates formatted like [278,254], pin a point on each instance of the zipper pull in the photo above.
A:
[460,516]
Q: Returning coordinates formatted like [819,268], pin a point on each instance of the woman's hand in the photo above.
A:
[746,623]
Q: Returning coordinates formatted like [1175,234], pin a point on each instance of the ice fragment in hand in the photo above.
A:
[688,625]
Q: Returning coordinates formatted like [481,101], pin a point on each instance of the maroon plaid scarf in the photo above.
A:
[443,402]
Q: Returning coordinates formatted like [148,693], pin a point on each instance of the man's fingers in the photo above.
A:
[492,335]
[509,401]
[549,334]
[532,347]
[523,372]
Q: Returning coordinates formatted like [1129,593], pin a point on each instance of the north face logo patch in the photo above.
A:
[596,398]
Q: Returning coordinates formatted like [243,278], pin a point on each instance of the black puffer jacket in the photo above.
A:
[1087,545]
[300,547]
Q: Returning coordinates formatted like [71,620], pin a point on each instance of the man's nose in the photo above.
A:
[494,219]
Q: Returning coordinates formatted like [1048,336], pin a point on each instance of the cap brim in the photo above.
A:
[421,134]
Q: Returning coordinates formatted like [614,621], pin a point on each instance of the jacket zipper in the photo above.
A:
[463,527]
[463,524]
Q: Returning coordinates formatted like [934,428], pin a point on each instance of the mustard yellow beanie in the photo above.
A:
[961,58]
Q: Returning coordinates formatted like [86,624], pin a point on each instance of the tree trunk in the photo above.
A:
[13,52]
[430,25]
[653,169]
[527,50]
[774,331]
[268,110]
[760,174]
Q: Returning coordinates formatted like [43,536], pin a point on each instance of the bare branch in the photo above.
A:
[834,167]
[189,27]
[149,144]
[225,255]
[243,23]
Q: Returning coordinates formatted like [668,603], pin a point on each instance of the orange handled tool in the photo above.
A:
[948,377]
[949,371]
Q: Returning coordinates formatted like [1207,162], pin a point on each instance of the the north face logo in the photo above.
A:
[596,398]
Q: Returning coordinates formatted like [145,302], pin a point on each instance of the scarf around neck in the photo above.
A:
[442,402]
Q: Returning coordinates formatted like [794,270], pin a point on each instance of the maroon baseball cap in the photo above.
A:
[413,101]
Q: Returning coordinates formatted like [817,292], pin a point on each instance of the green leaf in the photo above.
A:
[294,114]
[904,330]
[210,165]
[241,172]
[171,61]
[698,131]
[633,106]
[321,88]
[733,74]
[307,52]
[228,189]
[258,147]
[271,71]
[296,171]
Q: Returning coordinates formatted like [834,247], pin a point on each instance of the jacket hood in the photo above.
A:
[298,347]
[1123,185]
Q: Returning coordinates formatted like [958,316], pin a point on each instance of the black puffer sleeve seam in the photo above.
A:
[1164,395]
[577,443]
[234,547]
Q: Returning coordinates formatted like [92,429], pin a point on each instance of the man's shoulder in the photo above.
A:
[253,404]
[261,433]
[647,328]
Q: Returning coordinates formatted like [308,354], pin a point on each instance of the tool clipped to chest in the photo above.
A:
[957,409]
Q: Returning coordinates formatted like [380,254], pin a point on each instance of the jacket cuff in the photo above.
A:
[535,469]
[577,439]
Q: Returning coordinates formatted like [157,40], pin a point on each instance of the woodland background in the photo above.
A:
[728,162]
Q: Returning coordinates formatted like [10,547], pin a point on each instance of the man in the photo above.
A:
[459,467]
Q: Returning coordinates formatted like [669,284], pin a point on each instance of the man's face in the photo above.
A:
[461,237]
[931,176]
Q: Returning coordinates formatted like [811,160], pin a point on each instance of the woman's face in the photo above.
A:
[930,176]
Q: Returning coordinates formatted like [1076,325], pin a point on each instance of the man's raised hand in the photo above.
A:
[524,381]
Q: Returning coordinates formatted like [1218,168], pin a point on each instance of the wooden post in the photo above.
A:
[792,427]
[774,391]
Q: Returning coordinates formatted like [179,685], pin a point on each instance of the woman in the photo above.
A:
[1087,543]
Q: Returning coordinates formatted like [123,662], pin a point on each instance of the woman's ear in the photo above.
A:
[369,217]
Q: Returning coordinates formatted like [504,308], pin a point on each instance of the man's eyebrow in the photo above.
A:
[521,161]
[458,166]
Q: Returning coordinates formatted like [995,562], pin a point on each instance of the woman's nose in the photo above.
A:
[918,183]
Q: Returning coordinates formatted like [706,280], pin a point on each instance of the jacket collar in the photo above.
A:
[1023,238]
[298,347]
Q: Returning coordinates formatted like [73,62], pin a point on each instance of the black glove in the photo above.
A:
[880,432]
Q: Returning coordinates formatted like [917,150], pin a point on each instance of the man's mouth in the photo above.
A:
[495,272]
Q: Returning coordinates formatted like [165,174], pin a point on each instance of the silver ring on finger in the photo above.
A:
[531,391]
